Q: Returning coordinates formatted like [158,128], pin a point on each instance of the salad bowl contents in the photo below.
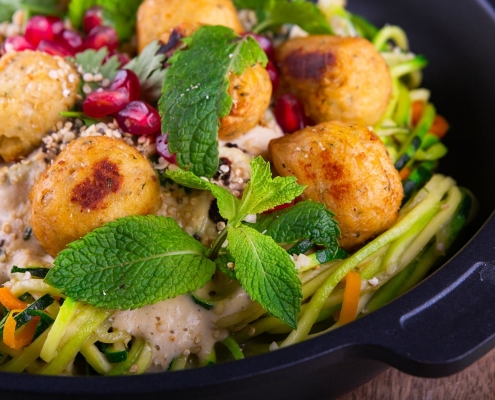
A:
[250,175]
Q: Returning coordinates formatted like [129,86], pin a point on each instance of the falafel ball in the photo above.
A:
[36,87]
[156,18]
[251,92]
[93,181]
[336,78]
[347,168]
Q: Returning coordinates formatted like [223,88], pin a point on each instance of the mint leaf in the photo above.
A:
[266,272]
[148,66]
[228,204]
[304,220]
[263,193]
[223,261]
[131,262]
[273,14]
[195,93]
[121,15]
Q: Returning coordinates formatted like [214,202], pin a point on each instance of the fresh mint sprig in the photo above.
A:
[131,262]
[195,93]
[135,261]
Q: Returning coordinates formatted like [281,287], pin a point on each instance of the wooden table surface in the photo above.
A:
[476,382]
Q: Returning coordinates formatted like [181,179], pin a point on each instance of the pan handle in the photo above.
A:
[447,323]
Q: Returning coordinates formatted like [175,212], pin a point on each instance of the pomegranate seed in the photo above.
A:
[290,114]
[40,28]
[70,39]
[16,43]
[273,72]
[162,149]
[92,17]
[127,81]
[138,118]
[265,43]
[101,36]
[103,103]
[54,48]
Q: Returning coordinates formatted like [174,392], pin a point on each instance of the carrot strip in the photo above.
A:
[351,298]
[24,337]
[440,126]
[404,173]
[417,108]
[9,301]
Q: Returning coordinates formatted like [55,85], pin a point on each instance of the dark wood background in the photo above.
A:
[476,382]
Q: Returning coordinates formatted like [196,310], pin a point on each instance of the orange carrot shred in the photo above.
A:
[9,301]
[417,108]
[25,334]
[404,173]
[439,127]
[351,298]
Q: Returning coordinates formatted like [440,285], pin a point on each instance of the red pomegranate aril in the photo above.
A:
[289,113]
[70,39]
[129,82]
[103,103]
[273,73]
[162,149]
[101,36]
[138,118]
[16,43]
[265,43]
[54,48]
[92,17]
[40,28]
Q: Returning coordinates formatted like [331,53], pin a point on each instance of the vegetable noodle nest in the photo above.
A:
[196,182]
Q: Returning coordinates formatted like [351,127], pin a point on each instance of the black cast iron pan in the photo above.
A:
[438,328]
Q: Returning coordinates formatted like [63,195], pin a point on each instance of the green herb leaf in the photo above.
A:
[223,261]
[30,7]
[148,66]
[195,93]
[266,272]
[131,262]
[304,220]
[120,14]
[228,204]
[93,61]
[273,14]
[263,193]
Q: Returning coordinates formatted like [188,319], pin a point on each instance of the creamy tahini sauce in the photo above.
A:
[173,327]
[19,247]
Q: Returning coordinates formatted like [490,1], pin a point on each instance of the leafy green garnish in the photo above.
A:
[120,14]
[30,7]
[135,261]
[307,220]
[149,68]
[195,93]
[266,272]
[93,61]
[272,14]
[132,262]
